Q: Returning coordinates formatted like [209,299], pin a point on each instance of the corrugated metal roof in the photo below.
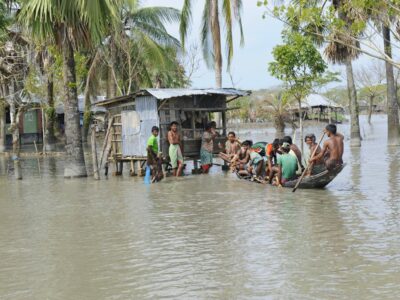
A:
[162,94]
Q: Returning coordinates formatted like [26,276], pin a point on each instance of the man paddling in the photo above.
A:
[332,149]
[319,166]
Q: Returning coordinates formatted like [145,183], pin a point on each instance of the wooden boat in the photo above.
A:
[317,181]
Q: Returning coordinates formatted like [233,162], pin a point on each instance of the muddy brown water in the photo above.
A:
[204,237]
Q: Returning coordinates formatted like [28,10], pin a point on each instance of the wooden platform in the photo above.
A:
[136,163]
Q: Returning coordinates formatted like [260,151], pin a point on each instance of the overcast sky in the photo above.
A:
[250,64]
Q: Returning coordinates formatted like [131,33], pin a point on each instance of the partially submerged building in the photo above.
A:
[319,108]
[132,116]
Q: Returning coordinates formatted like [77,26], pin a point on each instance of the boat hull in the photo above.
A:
[317,181]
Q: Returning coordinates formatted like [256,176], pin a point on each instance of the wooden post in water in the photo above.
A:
[37,155]
[96,174]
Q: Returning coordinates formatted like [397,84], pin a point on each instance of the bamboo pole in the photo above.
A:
[105,142]
[96,174]
[37,154]
[305,170]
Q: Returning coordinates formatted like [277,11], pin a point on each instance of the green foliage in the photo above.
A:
[298,64]
[231,12]
[51,113]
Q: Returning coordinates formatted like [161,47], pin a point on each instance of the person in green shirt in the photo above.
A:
[152,142]
[286,165]
[154,161]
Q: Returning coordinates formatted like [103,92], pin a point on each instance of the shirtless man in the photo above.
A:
[242,157]
[174,151]
[232,146]
[332,148]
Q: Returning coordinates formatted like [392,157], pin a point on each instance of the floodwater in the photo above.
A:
[206,236]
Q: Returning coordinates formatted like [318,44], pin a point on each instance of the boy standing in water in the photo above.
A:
[332,148]
[153,159]
[207,147]
[174,151]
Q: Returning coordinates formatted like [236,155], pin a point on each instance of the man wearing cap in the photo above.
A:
[286,165]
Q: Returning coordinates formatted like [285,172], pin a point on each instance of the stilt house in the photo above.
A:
[131,118]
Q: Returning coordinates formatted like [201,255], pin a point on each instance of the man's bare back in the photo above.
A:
[332,150]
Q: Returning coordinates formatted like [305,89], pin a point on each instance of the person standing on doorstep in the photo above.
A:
[207,148]
[174,151]
[154,160]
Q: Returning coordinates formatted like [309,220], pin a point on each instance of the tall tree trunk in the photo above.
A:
[370,108]
[112,86]
[216,36]
[355,137]
[50,115]
[2,127]
[87,116]
[300,126]
[14,128]
[75,160]
[392,104]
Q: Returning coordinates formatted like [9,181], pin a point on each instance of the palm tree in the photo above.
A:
[70,24]
[137,47]
[211,31]
[341,53]
[278,106]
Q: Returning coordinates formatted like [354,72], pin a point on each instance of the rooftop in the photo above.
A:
[162,94]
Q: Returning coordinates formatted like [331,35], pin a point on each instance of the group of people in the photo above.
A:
[282,161]
[175,152]
[276,162]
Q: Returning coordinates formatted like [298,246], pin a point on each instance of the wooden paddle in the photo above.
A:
[306,169]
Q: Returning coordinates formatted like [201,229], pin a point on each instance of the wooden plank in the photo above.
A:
[105,142]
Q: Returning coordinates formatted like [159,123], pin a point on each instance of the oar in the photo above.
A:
[306,169]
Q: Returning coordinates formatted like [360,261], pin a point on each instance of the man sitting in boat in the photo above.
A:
[271,151]
[332,149]
[240,160]
[256,164]
[232,146]
[295,151]
[293,147]
[317,167]
[286,166]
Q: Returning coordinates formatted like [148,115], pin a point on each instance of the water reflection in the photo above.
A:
[203,236]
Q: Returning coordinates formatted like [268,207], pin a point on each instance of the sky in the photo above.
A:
[249,67]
